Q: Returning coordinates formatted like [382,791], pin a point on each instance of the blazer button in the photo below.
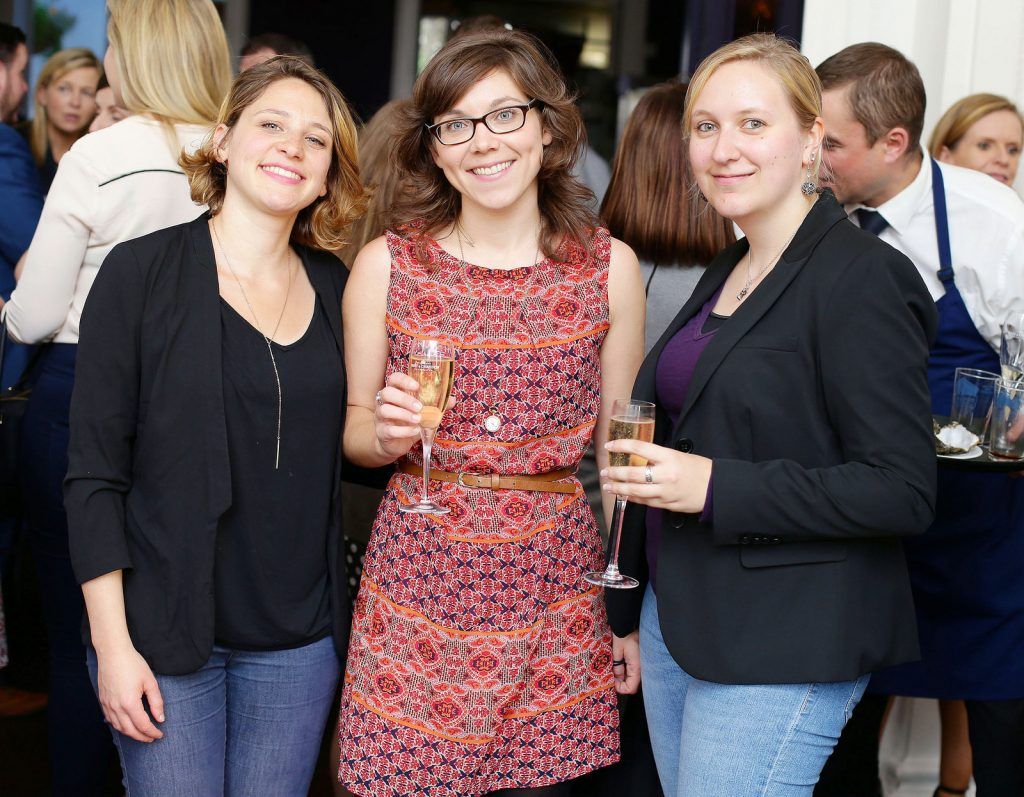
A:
[684,444]
[745,539]
[776,540]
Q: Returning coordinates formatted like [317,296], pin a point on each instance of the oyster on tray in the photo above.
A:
[953,438]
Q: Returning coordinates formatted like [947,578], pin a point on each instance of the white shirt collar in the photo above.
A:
[914,199]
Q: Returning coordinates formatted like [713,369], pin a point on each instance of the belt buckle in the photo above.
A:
[461,483]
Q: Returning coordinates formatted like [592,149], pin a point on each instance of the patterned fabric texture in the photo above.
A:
[480,659]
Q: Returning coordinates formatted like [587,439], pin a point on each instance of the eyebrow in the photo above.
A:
[501,102]
[288,115]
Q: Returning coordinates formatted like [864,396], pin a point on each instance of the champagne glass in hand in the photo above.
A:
[631,420]
[432,365]
[1011,348]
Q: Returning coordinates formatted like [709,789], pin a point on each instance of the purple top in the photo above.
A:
[676,364]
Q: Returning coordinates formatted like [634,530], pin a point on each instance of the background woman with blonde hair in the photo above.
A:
[65,104]
[169,62]
[984,132]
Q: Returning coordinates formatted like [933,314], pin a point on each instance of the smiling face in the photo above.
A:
[747,149]
[70,100]
[495,171]
[991,145]
[278,153]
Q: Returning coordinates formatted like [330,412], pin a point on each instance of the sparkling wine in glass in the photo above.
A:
[631,420]
[432,365]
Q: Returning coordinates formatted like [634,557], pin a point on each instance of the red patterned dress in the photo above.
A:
[480,659]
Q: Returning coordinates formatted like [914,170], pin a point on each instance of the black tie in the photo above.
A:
[871,220]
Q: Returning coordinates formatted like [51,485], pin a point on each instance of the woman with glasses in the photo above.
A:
[481,661]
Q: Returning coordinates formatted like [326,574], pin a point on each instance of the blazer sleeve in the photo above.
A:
[872,355]
[104,416]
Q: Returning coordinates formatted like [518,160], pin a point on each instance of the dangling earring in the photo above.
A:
[809,185]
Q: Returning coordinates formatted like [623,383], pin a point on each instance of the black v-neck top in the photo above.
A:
[270,567]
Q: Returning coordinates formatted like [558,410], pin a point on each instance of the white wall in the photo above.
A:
[960,46]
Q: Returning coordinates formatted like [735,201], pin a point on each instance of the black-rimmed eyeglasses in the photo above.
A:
[503,120]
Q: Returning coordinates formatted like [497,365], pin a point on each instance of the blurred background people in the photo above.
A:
[265,46]
[65,106]
[984,132]
[108,112]
[19,181]
[168,63]
[965,234]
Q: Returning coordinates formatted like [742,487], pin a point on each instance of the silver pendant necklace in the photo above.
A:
[268,339]
[493,421]
[750,279]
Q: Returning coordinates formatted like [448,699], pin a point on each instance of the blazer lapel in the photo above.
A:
[323,285]
[825,213]
[644,388]
[205,293]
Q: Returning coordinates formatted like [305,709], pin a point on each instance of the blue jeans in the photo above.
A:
[245,723]
[722,740]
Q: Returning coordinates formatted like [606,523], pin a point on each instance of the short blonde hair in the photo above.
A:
[962,114]
[56,66]
[172,58]
[325,222]
[794,72]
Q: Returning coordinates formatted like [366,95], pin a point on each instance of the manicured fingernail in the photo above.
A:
[607,445]
[606,487]
[604,473]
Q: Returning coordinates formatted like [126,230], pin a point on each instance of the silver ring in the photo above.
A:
[649,474]
[378,399]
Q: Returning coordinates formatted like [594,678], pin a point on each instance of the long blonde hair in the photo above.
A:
[172,58]
[58,65]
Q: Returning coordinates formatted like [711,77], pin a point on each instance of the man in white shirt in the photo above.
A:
[965,233]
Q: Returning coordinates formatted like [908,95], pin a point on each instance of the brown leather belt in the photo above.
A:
[540,482]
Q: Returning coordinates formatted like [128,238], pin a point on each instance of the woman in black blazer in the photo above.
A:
[204,465]
[792,451]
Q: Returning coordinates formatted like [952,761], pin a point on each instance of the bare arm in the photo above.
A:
[623,348]
[124,677]
[375,434]
[621,355]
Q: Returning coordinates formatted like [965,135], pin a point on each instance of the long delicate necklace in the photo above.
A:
[268,339]
[493,421]
[750,279]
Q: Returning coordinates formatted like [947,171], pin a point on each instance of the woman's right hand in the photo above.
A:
[396,419]
[123,680]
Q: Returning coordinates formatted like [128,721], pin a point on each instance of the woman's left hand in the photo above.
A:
[626,663]
[678,482]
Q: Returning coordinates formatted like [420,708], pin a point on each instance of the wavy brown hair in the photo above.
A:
[428,197]
[648,203]
[325,222]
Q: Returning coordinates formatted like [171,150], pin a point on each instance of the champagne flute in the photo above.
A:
[1011,348]
[631,420]
[432,365]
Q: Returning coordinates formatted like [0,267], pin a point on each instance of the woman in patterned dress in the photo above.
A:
[480,661]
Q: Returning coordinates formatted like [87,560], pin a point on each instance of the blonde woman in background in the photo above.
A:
[984,132]
[168,63]
[65,104]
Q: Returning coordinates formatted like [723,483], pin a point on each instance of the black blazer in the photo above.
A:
[812,401]
[148,466]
